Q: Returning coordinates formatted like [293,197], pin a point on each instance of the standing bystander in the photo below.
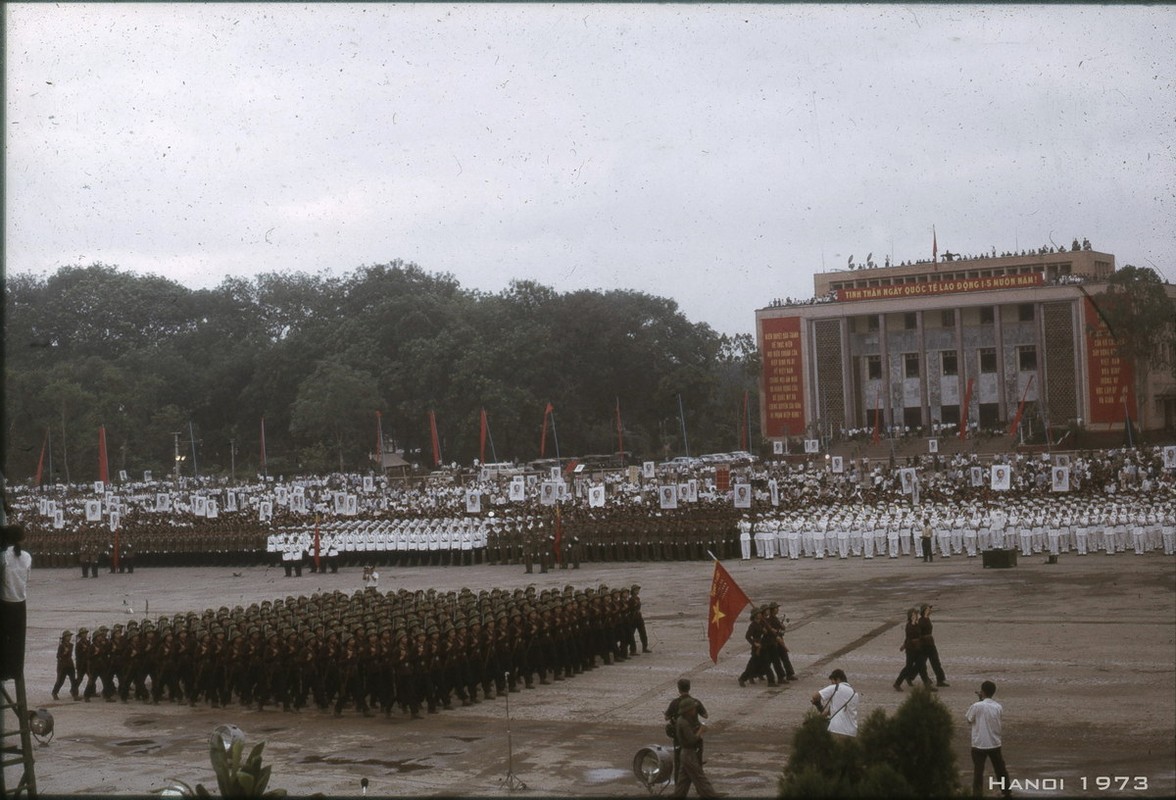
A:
[17,563]
[984,718]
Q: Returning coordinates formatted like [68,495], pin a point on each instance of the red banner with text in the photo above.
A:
[984,284]
[1112,384]
[783,377]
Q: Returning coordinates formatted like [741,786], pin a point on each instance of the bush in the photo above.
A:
[907,755]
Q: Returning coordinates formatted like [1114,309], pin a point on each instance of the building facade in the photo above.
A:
[931,346]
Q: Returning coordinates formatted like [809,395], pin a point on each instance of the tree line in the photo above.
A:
[159,365]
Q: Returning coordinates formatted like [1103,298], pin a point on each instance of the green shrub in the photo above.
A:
[907,755]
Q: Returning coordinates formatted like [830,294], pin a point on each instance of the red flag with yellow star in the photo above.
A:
[727,600]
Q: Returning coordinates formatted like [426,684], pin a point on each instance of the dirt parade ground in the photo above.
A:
[1083,653]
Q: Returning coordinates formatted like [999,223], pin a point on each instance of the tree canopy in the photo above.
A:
[317,356]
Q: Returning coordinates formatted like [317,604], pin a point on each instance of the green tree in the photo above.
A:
[907,755]
[335,408]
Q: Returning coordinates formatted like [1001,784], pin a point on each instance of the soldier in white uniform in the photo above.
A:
[842,527]
[745,538]
[1168,529]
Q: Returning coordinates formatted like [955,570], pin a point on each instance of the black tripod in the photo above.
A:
[511,780]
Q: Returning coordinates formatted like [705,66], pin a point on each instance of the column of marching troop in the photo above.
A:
[1137,524]
[409,650]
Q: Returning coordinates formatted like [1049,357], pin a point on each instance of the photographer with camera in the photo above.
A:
[839,702]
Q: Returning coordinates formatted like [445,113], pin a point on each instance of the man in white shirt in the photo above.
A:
[839,702]
[984,718]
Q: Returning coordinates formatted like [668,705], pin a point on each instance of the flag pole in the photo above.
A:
[555,438]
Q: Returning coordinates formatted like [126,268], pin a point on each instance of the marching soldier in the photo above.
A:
[65,666]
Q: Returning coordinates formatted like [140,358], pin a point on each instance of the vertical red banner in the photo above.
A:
[103,462]
[783,376]
[1112,380]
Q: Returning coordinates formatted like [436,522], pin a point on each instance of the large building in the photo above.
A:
[917,347]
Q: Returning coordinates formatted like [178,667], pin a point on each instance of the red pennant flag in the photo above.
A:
[103,466]
[436,439]
[934,245]
[482,440]
[41,460]
[317,540]
[727,601]
[543,436]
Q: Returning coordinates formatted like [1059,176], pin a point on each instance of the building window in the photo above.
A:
[910,365]
[1025,312]
[872,322]
[874,368]
[912,417]
[987,360]
[1027,358]
[948,363]
[910,321]
[989,415]
[947,317]
[950,415]
[987,315]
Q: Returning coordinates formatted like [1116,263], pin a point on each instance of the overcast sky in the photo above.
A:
[717,155]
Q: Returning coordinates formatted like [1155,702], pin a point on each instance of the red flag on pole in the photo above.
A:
[41,460]
[727,600]
[964,411]
[436,439]
[934,245]
[317,541]
[543,436]
[103,466]
[482,439]
[1021,407]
